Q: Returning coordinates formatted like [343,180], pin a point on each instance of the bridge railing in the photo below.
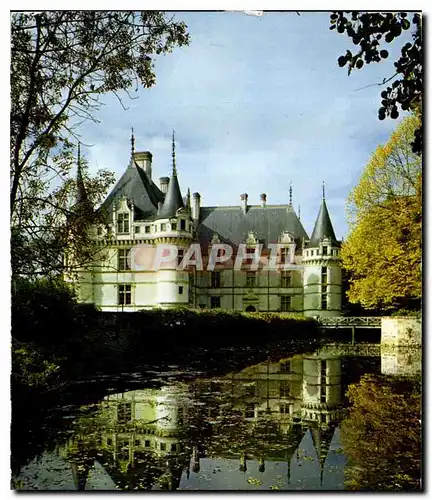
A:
[351,321]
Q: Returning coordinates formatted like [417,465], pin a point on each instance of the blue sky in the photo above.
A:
[256,103]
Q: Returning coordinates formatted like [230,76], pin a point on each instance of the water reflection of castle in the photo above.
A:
[148,438]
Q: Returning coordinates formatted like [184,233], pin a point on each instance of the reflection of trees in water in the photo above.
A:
[381,436]
[146,439]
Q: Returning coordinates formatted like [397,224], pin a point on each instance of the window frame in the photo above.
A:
[123,263]
[215,279]
[285,303]
[123,221]
[215,298]
[285,279]
[124,291]
[251,280]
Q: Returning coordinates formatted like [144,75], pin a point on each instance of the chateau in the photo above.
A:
[305,277]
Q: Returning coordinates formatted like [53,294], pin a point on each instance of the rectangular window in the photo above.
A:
[163,446]
[182,224]
[250,411]
[285,302]
[173,447]
[250,390]
[285,279]
[99,231]
[137,442]
[250,255]
[323,301]
[215,387]
[284,409]
[284,255]
[180,288]
[323,418]
[147,229]
[323,369]
[250,280]
[137,229]
[284,389]
[147,443]
[163,227]
[124,413]
[215,302]
[124,295]
[215,279]
[180,255]
[324,275]
[173,226]
[123,261]
[123,223]
[285,367]
[324,250]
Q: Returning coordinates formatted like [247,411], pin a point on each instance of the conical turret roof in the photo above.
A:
[323,228]
[321,439]
[173,198]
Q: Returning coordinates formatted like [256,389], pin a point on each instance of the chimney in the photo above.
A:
[163,183]
[144,160]
[196,206]
[263,198]
[244,198]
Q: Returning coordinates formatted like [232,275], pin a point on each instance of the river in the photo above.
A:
[278,424]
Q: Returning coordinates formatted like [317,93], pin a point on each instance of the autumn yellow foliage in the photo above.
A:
[381,435]
[382,253]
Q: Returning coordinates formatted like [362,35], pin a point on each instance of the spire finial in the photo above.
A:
[173,155]
[299,212]
[81,191]
[323,189]
[132,143]
[290,194]
[188,203]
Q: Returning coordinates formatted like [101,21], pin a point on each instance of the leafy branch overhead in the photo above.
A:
[62,64]
[368,31]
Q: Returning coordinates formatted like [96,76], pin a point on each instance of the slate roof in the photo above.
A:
[323,228]
[321,439]
[232,225]
[173,199]
[135,185]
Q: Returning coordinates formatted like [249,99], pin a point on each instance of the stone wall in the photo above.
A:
[401,331]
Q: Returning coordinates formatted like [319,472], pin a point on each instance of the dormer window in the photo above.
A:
[123,223]
[182,225]
[163,227]
[173,226]
[147,229]
[324,250]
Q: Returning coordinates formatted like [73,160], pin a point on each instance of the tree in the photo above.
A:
[62,63]
[382,252]
[382,434]
[368,30]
